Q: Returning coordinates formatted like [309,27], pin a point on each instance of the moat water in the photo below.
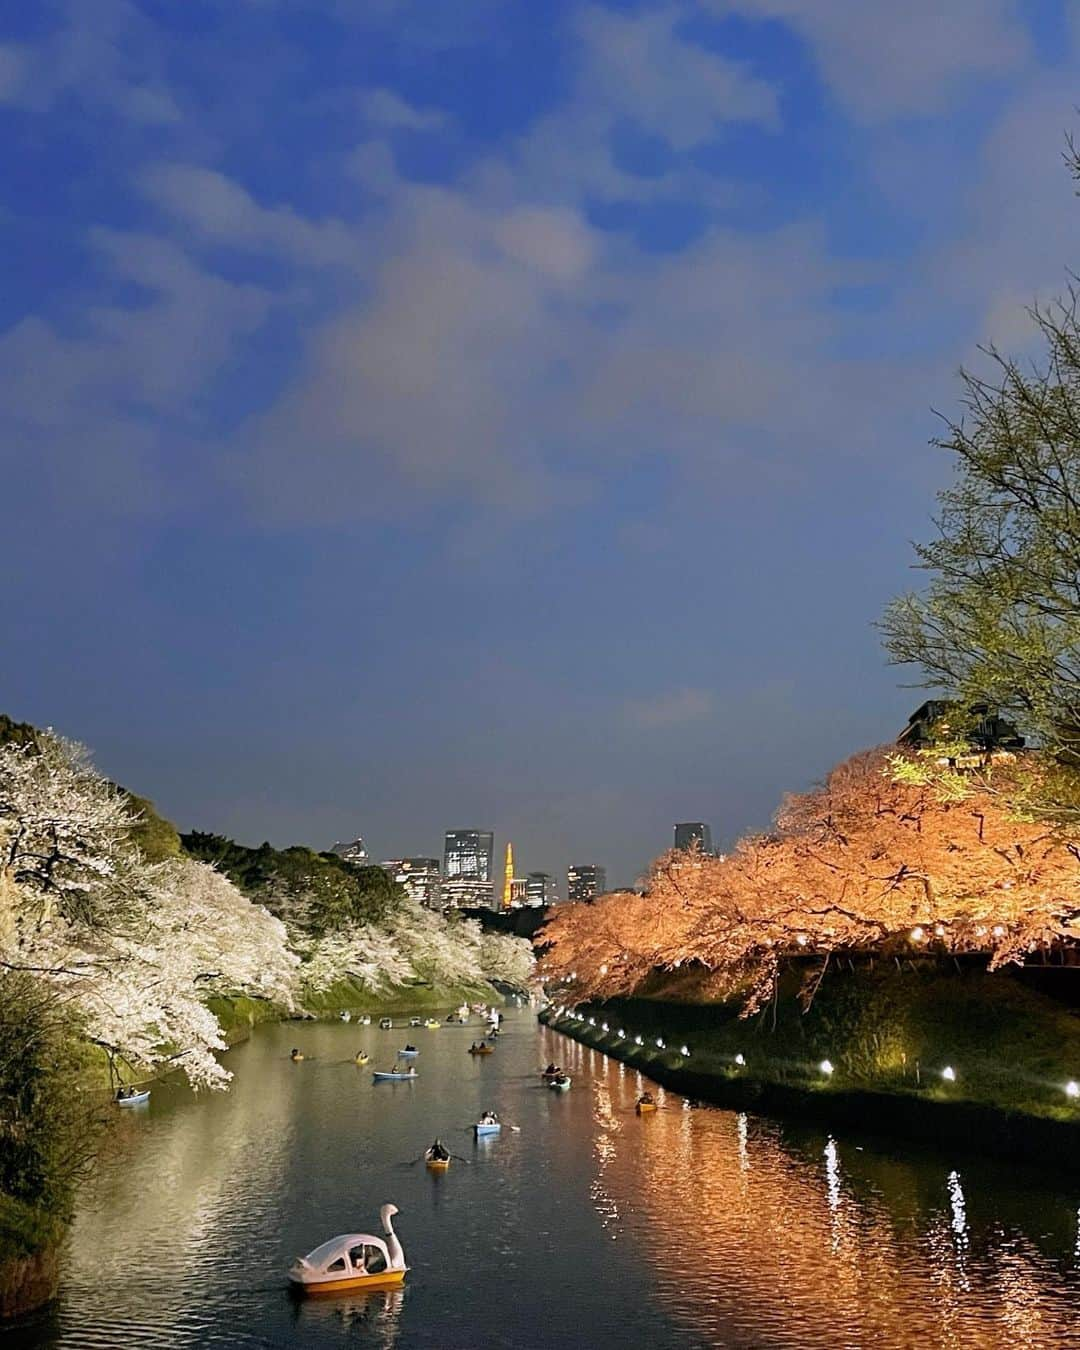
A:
[586,1226]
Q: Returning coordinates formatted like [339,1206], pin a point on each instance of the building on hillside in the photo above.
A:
[693,833]
[979,726]
[421,877]
[468,877]
[585,881]
[355,853]
[540,889]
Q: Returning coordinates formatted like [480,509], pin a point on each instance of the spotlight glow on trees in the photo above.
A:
[740,1060]
[1072,1089]
[949,1073]
[826,1067]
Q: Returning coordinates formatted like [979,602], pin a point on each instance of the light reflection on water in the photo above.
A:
[588,1226]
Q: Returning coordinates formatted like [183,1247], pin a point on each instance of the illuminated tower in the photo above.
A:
[508,876]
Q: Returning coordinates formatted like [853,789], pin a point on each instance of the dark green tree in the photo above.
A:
[999,620]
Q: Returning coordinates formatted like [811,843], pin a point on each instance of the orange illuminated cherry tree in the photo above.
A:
[871,861]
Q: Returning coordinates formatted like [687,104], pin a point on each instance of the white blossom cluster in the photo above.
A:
[137,947]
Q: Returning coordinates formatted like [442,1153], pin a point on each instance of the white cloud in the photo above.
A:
[105,56]
[92,409]
[387,109]
[221,211]
[638,66]
[673,708]
[884,59]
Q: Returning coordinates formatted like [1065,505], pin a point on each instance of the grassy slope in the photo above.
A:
[1012,1049]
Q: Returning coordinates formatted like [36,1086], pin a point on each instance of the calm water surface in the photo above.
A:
[590,1227]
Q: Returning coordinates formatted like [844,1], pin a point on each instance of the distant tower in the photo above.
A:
[508,876]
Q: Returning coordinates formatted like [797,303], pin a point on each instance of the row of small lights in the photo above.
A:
[826,1067]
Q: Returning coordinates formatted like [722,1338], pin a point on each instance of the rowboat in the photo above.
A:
[643,1105]
[133,1099]
[385,1023]
[481,1050]
[434,1163]
[483,1128]
[394,1075]
[352,1262]
[408,1053]
[296,1056]
[560,1084]
[415,1022]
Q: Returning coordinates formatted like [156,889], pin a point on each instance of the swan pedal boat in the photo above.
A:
[361,1057]
[136,1099]
[386,1023]
[560,1084]
[394,1075]
[484,1128]
[333,1267]
[432,1025]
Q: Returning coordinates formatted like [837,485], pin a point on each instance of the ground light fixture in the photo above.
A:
[638,1040]
[949,1073]
[592,1021]
[826,1067]
[659,1043]
[621,1033]
[1072,1089]
[603,1026]
[684,1050]
[740,1060]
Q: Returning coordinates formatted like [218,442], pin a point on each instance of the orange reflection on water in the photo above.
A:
[818,1247]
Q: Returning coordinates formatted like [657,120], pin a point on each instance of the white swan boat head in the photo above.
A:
[352,1261]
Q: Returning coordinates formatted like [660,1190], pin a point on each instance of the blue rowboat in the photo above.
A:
[394,1076]
[482,1131]
[136,1099]
[408,1054]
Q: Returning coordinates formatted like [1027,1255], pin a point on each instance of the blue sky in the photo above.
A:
[421,416]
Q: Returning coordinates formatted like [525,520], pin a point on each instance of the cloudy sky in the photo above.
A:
[422,415]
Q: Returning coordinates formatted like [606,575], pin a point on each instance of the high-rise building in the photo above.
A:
[354,853]
[421,877]
[540,889]
[584,881]
[693,832]
[467,868]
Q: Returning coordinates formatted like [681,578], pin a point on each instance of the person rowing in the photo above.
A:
[438,1152]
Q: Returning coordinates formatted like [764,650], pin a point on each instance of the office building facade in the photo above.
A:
[691,833]
[585,881]
[540,889]
[468,877]
[421,877]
